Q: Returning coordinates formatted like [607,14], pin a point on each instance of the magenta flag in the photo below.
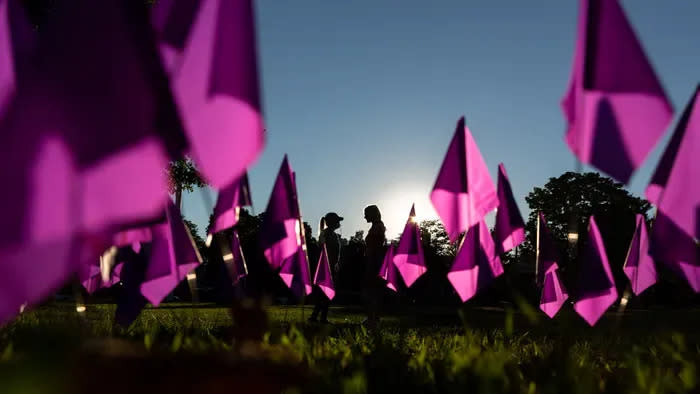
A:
[388,270]
[476,264]
[596,291]
[84,110]
[295,273]
[235,262]
[94,281]
[554,294]
[409,258]
[464,191]
[173,257]
[676,229]
[229,203]
[323,278]
[639,266]
[209,49]
[280,232]
[510,227]
[615,106]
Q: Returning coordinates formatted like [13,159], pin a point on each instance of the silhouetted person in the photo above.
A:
[374,254]
[331,241]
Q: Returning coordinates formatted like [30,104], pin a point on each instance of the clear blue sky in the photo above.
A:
[364,95]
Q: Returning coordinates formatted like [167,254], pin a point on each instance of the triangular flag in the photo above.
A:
[323,278]
[229,203]
[639,266]
[235,261]
[409,258]
[476,263]
[596,291]
[554,294]
[295,273]
[464,192]
[388,270]
[209,49]
[676,229]
[615,106]
[509,230]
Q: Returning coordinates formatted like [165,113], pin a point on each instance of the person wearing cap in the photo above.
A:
[328,238]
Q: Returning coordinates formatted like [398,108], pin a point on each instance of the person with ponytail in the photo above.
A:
[329,240]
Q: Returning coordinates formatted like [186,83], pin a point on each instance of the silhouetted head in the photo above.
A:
[372,214]
[332,220]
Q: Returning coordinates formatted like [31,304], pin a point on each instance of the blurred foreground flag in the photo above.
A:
[323,278]
[510,228]
[409,258]
[554,293]
[85,111]
[676,192]
[476,263]
[639,266]
[464,192]
[209,49]
[615,107]
[231,199]
[235,262]
[596,287]
[388,270]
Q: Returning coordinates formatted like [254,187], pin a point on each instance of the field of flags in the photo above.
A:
[94,106]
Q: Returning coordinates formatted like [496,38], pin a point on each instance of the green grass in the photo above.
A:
[184,349]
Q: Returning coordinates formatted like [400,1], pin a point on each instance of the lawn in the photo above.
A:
[182,348]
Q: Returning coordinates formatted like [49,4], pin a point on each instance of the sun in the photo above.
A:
[396,205]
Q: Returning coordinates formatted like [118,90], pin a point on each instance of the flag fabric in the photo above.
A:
[209,49]
[409,258]
[464,191]
[596,290]
[639,266]
[280,232]
[615,106]
[173,256]
[676,229]
[69,131]
[476,264]
[229,203]
[323,278]
[554,294]
[295,273]
[388,270]
[236,264]
[509,230]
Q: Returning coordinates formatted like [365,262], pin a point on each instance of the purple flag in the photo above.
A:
[95,282]
[235,262]
[210,51]
[639,266]
[615,107]
[295,273]
[409,258]
[554,294]
[229,203]
[464,192]
[510,228]
[323,278]
[70,132]
[280,232]
[676,230]
[476,263]
[388,270]
[597,289]
[173,257]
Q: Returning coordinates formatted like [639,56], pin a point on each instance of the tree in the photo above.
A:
[183,175]
[198,241]
[568,202]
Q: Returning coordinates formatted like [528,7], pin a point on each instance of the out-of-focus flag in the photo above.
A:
[554,294]
[409,258]
[509,231]
[464,191]
[615,106]
[229,203]
[388,270]
[639,266]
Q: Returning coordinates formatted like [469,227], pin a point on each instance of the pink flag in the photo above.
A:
[409,259]
[476,263]
[323,278]
[388,270]
[210,51]
[173,257]
[235,262]
[510,228]
[615,107]
[554,294]
[676,229]
[464,192]
[639,266]
[295,273]
[229,203]
[597,289]
[87,111]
